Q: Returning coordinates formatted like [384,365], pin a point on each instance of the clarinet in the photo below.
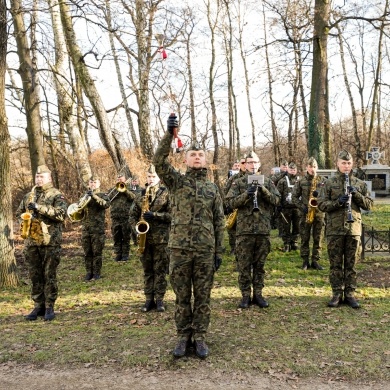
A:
[255,204]
[349,203]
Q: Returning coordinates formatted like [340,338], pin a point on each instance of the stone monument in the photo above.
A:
[376,173]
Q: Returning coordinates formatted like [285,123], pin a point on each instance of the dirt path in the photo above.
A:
[16,377]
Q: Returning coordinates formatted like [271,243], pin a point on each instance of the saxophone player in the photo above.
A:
[47,207]
[342,198]
[155,212]
[304,196]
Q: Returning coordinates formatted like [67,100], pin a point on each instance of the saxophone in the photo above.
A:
[231,219]
[142,226]
[27,216]
[313,203]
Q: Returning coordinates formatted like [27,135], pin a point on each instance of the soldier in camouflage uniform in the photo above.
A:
[253,230]
[42,248]
[93,231]
[306,189]
[195,240]
[154,257]
[277,220]
[121,202]
[240,165]
[290,212]
[342,204]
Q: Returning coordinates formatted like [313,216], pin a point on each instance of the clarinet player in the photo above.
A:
[255,205]
[341,198]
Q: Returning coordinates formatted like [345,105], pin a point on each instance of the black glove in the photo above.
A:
[305,209]
[279,208]
[217,262]
[251,190]
[343,199]
[32,206]
[89,192]
[315,193]
[352,190]
[148,216]
[172,123]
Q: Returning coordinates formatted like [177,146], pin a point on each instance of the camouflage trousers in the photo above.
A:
[252,252]
[42,263]
[307,231]
[155,263]
[93,245]
[232,237]
[290,229]
[343,252]
[121,233]
[191,273]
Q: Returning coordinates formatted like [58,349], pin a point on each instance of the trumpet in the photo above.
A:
[76,211]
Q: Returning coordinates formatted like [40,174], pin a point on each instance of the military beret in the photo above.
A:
[344,155]
[94,177]
[43,169]
[284,162]
[195,145]
[152,169]
[312,162]
[292,165]
[120,174]
[135,177]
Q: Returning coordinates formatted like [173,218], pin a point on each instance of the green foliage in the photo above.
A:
[99,323]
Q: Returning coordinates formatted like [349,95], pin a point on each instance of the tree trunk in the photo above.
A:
[28,74]
[66,104]
[317,112]
[8,274]
[119,76]
[90,89]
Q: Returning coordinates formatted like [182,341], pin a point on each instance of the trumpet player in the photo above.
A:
[93,229]
[341,198]
[289,211]
[154,211]
[255,205]
[45,209]
[121,199]
[305,198]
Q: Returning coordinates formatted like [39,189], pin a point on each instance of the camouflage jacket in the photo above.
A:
[51,210]
[227,187]
[249,221]
[95,213]
[302,192]
[197,213]
[121,203]
[161,207]
[336,214]
[277,177]
[285,187]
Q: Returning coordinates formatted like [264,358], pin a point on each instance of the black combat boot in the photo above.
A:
[160,305]
[49,314]
[181,347]
[118,257]
[88,277]
[201,349]
[148,305]
[316,265]
[259,300]
[125,258]
[305,263]
[351,301]
[245,302]
[96,276]
[37,311]
[335,300]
